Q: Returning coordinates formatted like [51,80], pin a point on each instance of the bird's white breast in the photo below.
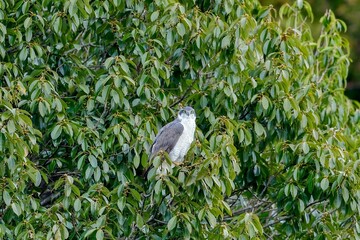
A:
[182,146]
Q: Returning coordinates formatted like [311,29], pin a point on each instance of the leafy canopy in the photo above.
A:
[86,84]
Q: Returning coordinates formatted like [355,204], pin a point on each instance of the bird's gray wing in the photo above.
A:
[167,137]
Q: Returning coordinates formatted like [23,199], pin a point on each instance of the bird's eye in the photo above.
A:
[181,112]
[192,112]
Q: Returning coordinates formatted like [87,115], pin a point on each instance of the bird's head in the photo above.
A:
[187,113]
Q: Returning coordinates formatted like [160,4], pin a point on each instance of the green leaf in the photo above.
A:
[42,109]
[287,105]
[305,147]
[345,193]
[124,67]
[154,15]
[90,105]
[6,197]
[248,137]
[170,38]
[121,203]
[135,194]
[57,25]
[85,88]
[180,29]
[77,205]
[288,206]
[67,190]
[259,129]
[75,190]
[265,102]
[99,234]
[293,190]
[337,200]
[27,22]
[37,178]
[300,3]
[241,135]
[139,221]
[257,224]
[257,170]
[93,161]
[301,205]
[266,46]
[225,42]
[16,208]
[211,218]
[303,121]
[24,54]
[203,101]
[227,208]
[3,29]
[172,223]
[25,7]
[136,161]
[56,132]
[97,174]
[117,3]
[105,167]
[89,232]
[158,187]
[324,184]
[11,126]
[34,204]
[171,187]
[108,62]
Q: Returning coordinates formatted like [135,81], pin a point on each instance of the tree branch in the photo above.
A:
[277,221]
[243,210]
[316,202]
[50,198]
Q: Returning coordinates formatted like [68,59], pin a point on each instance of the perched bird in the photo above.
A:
[175,138]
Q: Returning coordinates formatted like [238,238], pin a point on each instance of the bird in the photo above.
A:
[175,138]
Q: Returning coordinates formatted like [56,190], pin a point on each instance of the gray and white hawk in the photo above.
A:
[175,138]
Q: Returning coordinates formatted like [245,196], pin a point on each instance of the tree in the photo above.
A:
[86,85]
[347,11]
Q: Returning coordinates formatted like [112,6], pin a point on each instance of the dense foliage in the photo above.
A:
[85,86]
[348,11]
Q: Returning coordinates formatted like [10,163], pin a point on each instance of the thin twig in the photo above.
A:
[277,221]
[83,45]
[243,210]
[316,202]
[50,198]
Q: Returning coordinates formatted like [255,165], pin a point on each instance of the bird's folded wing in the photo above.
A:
[167,137]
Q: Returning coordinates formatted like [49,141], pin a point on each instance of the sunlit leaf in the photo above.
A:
[225,42]
[324,184]
[180,29]
[172,223]
[6,197]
